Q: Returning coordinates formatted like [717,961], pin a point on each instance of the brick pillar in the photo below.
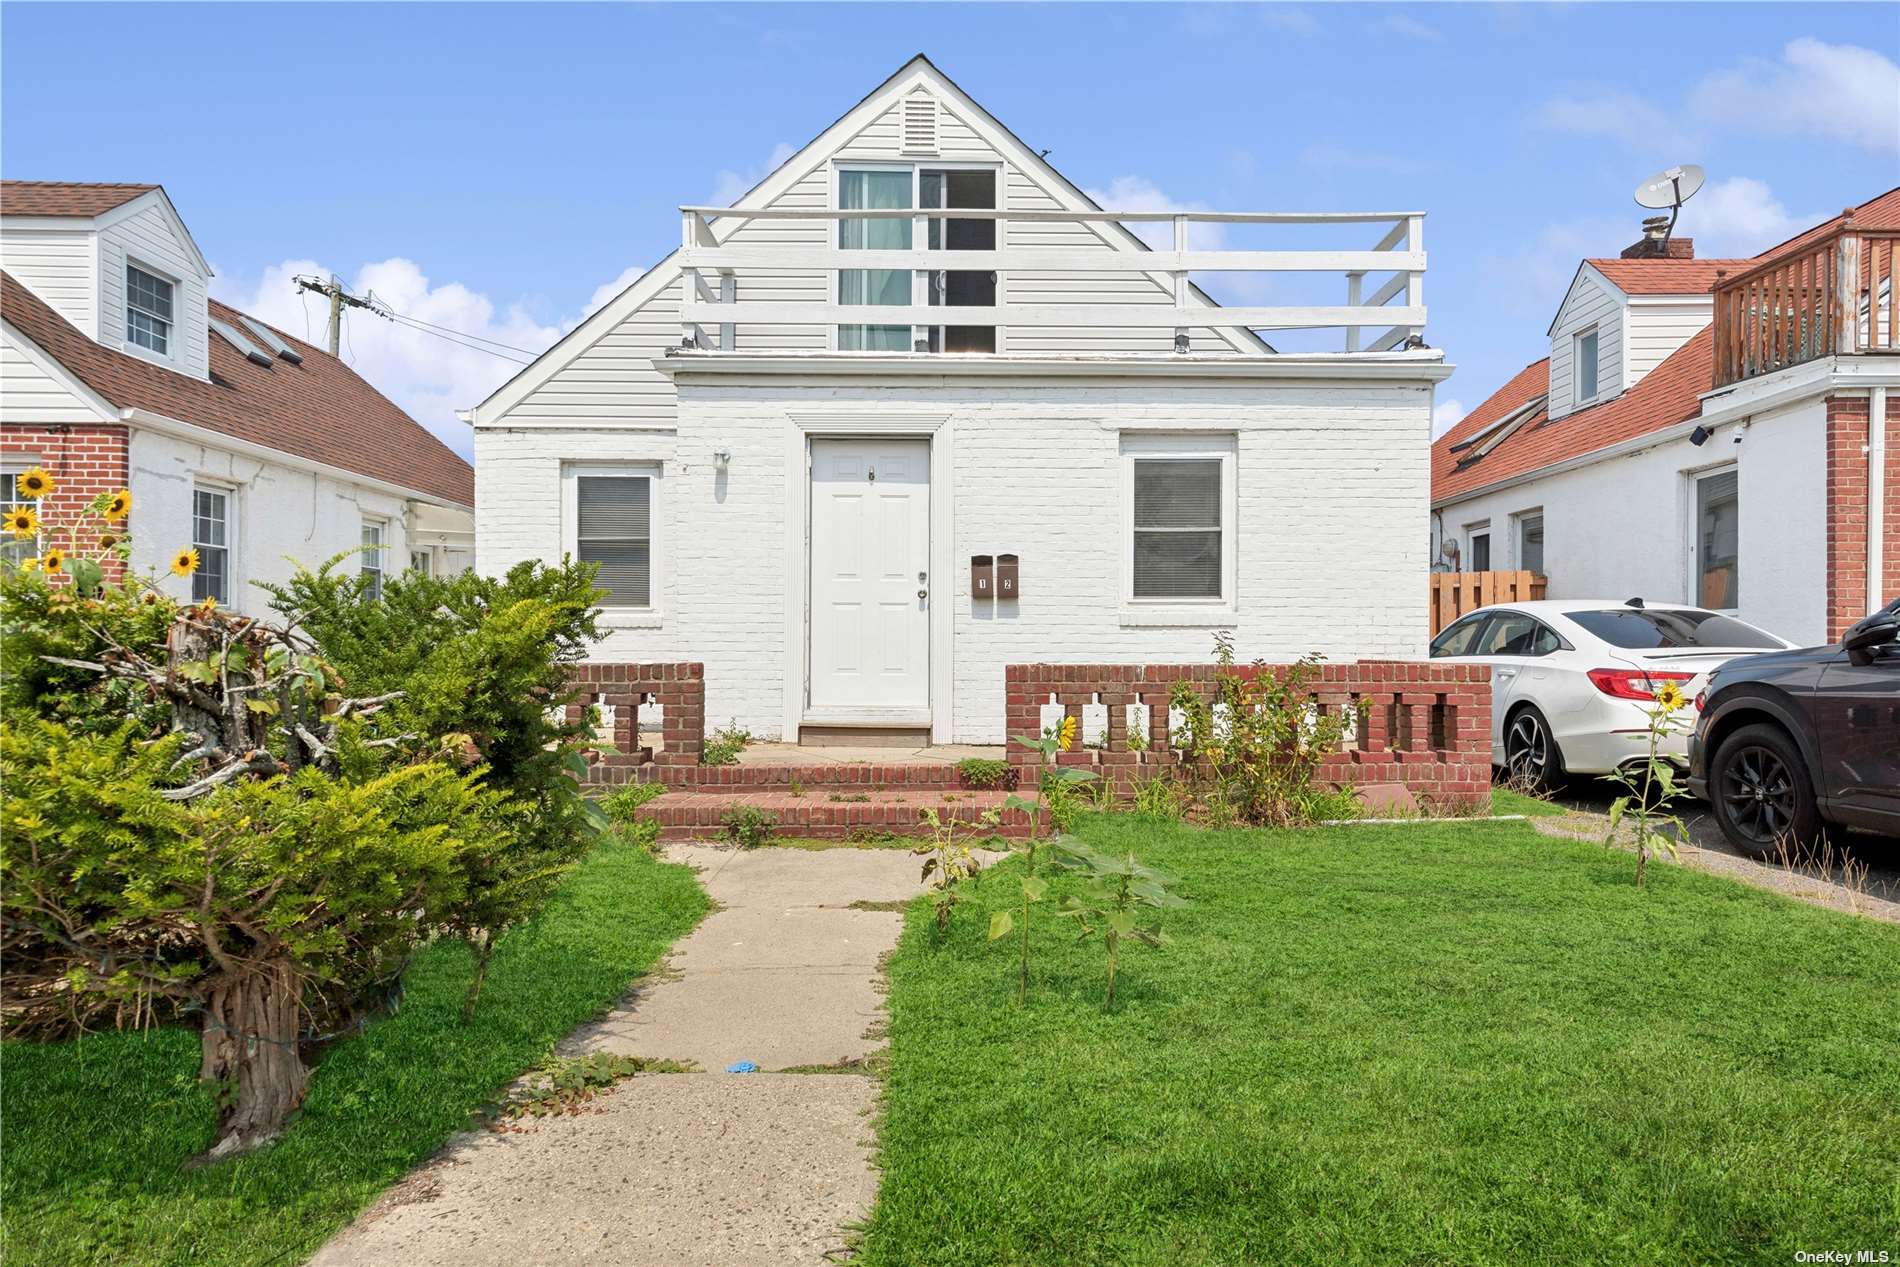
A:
[1848,435]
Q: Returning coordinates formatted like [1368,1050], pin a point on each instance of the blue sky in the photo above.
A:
[499,168]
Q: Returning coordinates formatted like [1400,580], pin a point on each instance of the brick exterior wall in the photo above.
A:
[1847,440]
[84,459]
[1427,726]
[678,689]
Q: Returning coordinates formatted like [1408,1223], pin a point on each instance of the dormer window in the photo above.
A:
[148,310]
[1586,366]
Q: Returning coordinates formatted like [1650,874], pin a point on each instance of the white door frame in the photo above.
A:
[870,421]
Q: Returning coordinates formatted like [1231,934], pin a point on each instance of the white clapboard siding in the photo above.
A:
[614,379]
[56,265]
[1656,328]
[148,237]
[1591,302]
[33,397]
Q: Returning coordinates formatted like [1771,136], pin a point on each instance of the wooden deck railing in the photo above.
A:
[1831,297]
[1453,594]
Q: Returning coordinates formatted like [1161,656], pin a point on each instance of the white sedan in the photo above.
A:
[1571,678]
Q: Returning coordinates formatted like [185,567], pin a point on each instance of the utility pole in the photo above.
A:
[339,298]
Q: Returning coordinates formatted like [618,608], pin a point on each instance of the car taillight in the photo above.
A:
[1637,684]
[1701,699]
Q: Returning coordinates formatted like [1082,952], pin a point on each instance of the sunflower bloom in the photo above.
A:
[120,505]
[23,522]
[30,565]
[1670,697]
[54,560]
[185,562]
[107,541]
[34,482]
[1065,734]
[209,605]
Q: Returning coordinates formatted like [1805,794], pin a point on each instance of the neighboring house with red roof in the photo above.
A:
[117,369]
[1699,433]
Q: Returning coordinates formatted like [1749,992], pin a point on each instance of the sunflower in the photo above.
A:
[107,541]
[53,560]
[1670,697]
[185,562]
[34,482]
[30,564]
[23,522]
[209,605]
[1065,734]
[119,505]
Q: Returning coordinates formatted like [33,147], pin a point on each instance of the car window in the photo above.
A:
[1637,628]
[1457,640]
[1515,634]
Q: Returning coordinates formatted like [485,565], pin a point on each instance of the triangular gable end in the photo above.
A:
[160,199]
[918,81]
[1583,267]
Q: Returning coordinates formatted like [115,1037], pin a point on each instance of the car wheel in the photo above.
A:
[1532,759]
[1761,794]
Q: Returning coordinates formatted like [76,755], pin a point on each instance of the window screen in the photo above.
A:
[1177,525]
[1718,526]
[148,310]
[615,529]
[211,536]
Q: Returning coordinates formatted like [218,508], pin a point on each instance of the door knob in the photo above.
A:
[923,593]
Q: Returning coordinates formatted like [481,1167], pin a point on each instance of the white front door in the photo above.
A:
[870,581]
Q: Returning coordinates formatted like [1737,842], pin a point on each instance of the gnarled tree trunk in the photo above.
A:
[250,1041]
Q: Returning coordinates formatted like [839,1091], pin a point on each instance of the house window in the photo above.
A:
[613,527]
[1530,542]
[1717,541]
[17,550]
[211,537]
[421,562]
[960,288]
[148,310]
[1180,495]
[1480,560]
[375,542]
[874,189]
[1586,366]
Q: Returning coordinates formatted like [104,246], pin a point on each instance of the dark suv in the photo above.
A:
[1790,742]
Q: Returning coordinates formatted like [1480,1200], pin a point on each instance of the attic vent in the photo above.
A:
[920,125]
[268,337]
[251,351]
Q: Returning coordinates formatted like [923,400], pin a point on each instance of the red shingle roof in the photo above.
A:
[1665,277]
[320,410]
[1878,213]
[1668,394]
[61,198]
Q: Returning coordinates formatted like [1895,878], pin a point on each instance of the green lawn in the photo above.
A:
[1464,1043]
[95,1131]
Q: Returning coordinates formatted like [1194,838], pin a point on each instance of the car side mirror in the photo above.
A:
[1870,634]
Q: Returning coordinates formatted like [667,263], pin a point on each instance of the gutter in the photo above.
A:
[163,425]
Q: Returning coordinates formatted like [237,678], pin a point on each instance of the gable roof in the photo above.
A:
[1665,277]
[64,198]
[780,178]
[1668,394]
[320,410]
[1882,212]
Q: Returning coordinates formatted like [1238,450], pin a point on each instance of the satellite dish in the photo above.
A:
[1670,188]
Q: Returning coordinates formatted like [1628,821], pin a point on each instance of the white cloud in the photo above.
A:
[1538,272]
[1615,113]
[1338,157]
[1838,91]
[604,294]
[427,376]
[1739,217]
[1292,21]
[1446,414]
[1138,193]
[1404,28]
[729,186]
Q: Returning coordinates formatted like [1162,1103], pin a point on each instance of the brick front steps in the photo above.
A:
[825,812]
[855,776]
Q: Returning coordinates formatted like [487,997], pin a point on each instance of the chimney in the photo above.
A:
[1657,244]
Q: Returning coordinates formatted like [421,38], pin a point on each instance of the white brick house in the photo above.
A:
[798,477]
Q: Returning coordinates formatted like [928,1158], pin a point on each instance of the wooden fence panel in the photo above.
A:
[1452,594]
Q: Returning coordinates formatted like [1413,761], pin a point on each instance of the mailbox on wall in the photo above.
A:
[982,576]
[1006,586]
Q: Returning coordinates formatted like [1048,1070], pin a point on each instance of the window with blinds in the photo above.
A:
[614,528]
[1177,527]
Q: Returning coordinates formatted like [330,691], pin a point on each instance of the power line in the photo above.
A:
[383,308]
[456,337]
[339,299]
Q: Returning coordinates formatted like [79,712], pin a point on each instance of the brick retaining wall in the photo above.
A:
[679,689]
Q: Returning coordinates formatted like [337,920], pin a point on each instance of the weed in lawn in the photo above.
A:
[748,826]
[567,1084]
[1055,784]
[1650,790]
[1114,887]
[950,858]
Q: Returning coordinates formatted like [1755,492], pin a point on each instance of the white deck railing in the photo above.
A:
[1394,268]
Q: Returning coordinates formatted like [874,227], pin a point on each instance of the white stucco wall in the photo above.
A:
[283,515]
[1622,527]
[1331,486]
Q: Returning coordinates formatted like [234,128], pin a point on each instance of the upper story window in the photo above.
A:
[148,310]
[1586,366]
[899,188]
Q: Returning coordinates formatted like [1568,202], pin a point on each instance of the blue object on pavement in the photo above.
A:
[742,1066]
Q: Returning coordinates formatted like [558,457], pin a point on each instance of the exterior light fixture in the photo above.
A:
[721,460]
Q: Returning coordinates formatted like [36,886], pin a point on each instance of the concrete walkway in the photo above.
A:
[678,1170]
